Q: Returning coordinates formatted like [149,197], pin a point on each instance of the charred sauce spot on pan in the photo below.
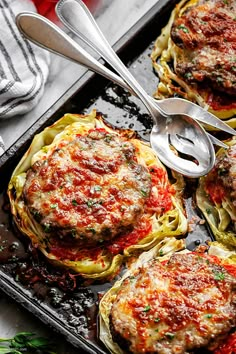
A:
[75,302]
[123,110]
[122,99]
[11,247]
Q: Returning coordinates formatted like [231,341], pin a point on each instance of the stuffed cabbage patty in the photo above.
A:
[177,305]
[89,196]
[89,189]
[216,195]
[194,56]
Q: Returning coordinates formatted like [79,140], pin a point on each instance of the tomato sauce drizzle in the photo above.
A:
[229,345]
[215,188]
[63,250]
[220,101]
[160,202]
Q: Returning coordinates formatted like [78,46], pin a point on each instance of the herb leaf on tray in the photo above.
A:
[25,342]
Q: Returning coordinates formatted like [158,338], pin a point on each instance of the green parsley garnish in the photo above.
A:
[90,203]
[147,308]
[97,188]
[208,210]
[143,192]
[188,75]
[219,276]
[53,206]
[47,228]
[73,233]
[208,316]
[183,28]
[169,335]
[91,229]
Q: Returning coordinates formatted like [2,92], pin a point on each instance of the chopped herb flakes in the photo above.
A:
[47,228]
[169,335]
[90,203]
[183,28]
[97,188]
[143,192]
[208,315]
[188,75]
[219,276]
[147,308]
[91,230]
[53,206]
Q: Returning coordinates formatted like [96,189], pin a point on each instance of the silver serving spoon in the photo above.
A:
[178,130]
[74,52]
[69,11]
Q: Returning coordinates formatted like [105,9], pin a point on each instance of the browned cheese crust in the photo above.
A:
[175,307]
[220,183]
[206,33]
[89,189]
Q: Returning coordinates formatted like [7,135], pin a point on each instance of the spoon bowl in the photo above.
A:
[174,137]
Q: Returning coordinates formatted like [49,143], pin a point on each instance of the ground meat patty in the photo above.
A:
[206,34]
[175,307]
[220,183]
[88,190]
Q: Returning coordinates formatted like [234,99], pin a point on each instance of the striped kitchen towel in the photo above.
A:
[24,66]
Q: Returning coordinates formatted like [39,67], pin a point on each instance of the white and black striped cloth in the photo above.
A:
[23,66]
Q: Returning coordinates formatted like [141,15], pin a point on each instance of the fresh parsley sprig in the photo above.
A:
[25,342]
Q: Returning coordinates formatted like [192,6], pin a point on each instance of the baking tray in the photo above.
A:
[24,275]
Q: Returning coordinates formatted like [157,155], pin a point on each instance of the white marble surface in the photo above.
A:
[115,17]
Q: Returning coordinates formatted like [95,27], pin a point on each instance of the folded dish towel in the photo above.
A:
[23,66]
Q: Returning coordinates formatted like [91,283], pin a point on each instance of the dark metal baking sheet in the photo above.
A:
[74,313]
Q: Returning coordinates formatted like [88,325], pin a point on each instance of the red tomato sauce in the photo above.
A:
[215,189]
[220,102]
[230,268]
[160,202]
[157,202]
[229,345]
[123,241]
[62,250]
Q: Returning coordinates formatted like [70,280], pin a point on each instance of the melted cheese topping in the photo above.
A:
[194,56]
[90,188]
[173,307]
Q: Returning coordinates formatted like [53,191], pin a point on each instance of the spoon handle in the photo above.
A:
[47,35]
[77,12]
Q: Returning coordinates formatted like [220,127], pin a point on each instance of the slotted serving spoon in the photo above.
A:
[178,130]
[71,13]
